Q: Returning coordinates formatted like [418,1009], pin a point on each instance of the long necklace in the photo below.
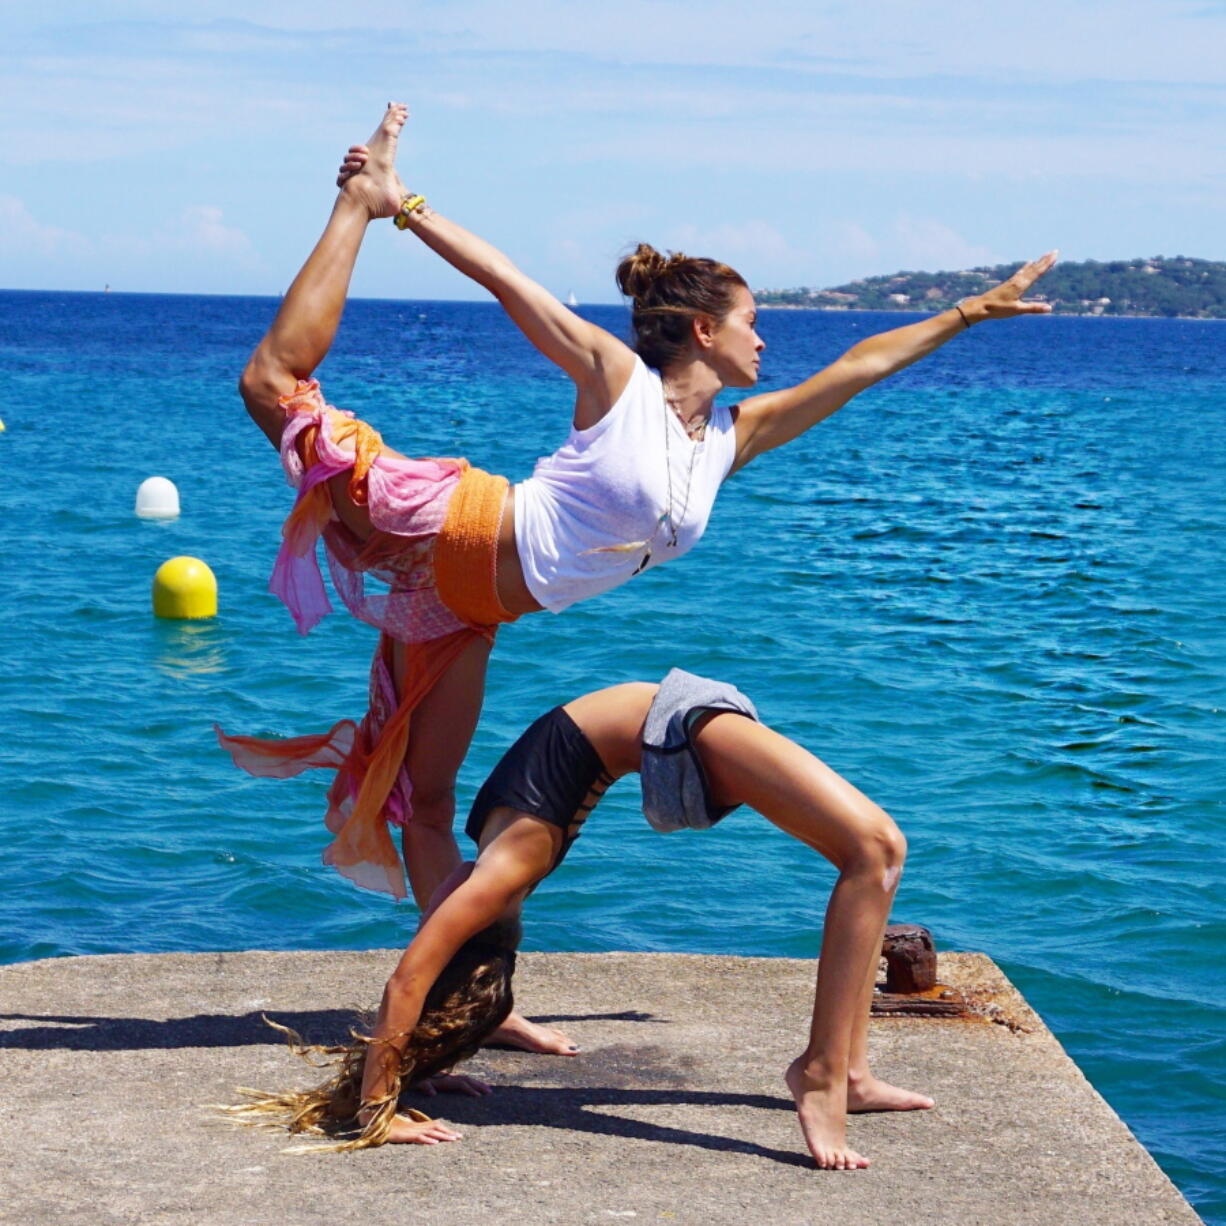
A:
[667,516]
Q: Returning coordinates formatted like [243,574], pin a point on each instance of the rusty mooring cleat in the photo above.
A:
[910,959]
[911,988]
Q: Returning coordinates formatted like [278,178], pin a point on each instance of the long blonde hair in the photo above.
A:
[469,1001]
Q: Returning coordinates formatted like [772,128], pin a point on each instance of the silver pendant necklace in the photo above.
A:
[667,516]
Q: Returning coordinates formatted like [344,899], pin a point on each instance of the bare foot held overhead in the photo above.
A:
[372,178]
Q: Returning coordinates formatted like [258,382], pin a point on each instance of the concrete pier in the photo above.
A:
[674,1113]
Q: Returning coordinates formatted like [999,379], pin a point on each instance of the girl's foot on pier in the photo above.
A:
[373,179]
[868,1093]
[822,1109]
[518,1032]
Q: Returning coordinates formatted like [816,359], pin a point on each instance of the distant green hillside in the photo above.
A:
[1156,286]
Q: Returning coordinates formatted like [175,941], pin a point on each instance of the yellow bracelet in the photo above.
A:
[408,206]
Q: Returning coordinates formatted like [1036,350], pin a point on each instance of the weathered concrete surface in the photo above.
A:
[675,1112]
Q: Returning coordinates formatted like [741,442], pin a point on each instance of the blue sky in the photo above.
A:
[191,148]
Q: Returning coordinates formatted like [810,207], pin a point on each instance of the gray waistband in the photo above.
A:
[675,792]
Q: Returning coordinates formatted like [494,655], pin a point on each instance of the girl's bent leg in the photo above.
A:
[752,764]
[310,312]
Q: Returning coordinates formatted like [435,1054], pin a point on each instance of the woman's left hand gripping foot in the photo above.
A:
[518,1032]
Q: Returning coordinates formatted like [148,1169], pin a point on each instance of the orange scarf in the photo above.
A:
[370,757]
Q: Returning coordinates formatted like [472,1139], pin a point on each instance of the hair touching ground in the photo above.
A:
[668,293]
[469,1000]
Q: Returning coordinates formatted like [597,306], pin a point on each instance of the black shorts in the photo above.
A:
[551,772]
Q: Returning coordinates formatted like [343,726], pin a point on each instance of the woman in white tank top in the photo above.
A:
[632,485]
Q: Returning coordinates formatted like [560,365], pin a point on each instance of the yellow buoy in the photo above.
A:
[184,588]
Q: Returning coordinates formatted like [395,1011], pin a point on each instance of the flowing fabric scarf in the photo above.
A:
[435,542]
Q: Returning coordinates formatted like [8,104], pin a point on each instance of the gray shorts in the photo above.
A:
[675,792]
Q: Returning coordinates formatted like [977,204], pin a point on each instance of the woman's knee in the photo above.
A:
[263,382]
[433,807]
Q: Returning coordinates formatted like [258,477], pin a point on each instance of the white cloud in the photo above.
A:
[22,234]
[198,241]
[202,227]
[854,242]
[925,243]
[751,244]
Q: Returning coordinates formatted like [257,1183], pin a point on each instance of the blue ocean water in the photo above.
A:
[989,591]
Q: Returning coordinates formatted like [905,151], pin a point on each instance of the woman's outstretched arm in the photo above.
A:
[596,360]
[775,418]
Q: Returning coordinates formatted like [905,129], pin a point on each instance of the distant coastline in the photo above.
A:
[1156,287]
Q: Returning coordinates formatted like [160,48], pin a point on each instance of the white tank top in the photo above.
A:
[608,487]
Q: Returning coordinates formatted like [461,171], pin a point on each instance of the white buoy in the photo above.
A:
[157,498]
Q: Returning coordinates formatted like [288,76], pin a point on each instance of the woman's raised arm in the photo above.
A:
[775,418]
[597,361]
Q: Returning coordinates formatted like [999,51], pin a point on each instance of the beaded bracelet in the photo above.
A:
[408,206]
[957,305]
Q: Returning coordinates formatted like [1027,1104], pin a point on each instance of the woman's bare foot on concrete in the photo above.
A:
[517,1031]
[821,1105]
[372,178]
[868,1093]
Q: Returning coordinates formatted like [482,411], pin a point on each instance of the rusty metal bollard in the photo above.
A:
[910,959]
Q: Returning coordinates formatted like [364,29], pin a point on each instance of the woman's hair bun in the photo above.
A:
[637,272]
[668,294]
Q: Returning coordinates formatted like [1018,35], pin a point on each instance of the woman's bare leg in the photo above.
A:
[443,727]
[749,763]
[306,323]
[441,732]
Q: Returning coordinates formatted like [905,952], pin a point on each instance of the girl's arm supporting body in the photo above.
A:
[517,851]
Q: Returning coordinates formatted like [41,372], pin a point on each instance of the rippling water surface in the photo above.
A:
[990,592]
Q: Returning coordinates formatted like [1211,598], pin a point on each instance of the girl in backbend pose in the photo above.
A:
[459,549]
[700,752]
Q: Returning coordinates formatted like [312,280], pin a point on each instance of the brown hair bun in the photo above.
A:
[668,293]
[637,272]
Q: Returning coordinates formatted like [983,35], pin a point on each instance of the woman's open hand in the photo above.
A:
[1006,299]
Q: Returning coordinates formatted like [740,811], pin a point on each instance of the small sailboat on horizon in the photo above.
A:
[571,300]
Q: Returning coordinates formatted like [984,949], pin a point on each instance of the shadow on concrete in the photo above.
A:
[66,1032]
[628,1015]
[578,1109]
[63,1032]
